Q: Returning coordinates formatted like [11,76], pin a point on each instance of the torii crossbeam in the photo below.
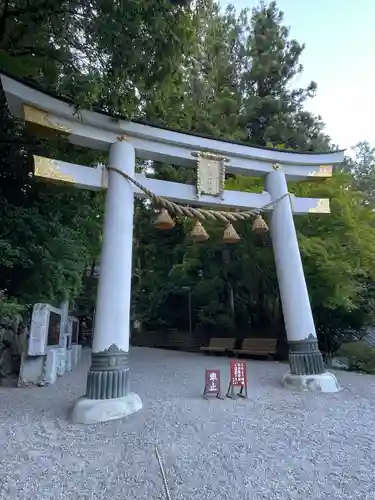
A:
[108,395]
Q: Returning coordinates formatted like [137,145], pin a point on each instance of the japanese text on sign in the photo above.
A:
[238,373]
[212,381]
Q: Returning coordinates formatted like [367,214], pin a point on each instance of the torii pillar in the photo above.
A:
[107,391]
[307,371]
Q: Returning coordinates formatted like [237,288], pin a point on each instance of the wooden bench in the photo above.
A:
[258,347]
[220,345]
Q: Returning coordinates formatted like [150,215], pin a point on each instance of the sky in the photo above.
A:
[340,56]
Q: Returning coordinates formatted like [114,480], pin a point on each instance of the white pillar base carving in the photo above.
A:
[323,382]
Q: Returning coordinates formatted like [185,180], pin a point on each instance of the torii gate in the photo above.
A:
[108,395]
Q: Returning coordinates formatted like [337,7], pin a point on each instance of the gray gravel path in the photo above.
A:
[276,445]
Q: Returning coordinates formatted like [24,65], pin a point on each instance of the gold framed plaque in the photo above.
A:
[210,174]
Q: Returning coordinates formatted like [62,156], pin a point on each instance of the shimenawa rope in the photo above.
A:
[198,213]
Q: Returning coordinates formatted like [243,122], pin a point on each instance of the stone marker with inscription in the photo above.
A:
[44,328]
[54,327]
[68,343]
[75,330]
[48,353]
[40,329]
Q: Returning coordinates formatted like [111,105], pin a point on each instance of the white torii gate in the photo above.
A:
[108,395]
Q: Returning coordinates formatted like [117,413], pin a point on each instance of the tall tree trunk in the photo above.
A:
[3,17]
[226,262]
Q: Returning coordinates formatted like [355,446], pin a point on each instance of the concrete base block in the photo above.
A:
[324,382]
[50,367]
[68,360]
[92,411]
[76,354]
[79,353]
[31,370]
[61,361]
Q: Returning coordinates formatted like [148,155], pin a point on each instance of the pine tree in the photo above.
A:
[273,110]
[362,167]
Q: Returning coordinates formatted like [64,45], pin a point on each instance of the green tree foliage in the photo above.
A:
[49,235]
[274,111]
[241,69]
[190,66]
[360,356]
[362,168]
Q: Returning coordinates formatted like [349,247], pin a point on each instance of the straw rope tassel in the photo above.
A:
[230,234]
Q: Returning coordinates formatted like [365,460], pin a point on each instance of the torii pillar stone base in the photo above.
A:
[321,382]
[92,411]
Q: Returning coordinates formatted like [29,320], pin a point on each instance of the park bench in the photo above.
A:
[258,347]
[220,345]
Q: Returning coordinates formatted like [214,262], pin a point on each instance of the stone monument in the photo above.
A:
[44,338]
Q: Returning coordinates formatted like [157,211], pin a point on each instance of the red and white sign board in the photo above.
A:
[212,383]
[238,378]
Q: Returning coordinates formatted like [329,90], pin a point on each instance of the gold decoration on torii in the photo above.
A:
[50,169]
[324,171]
[42,118]
[322,207]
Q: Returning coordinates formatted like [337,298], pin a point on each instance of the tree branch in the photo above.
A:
[47,52]
[36,9]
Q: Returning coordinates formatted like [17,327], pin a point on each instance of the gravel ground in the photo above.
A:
[275,445]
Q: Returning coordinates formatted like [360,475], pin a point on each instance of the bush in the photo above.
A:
[360,356]
[12,342]
[10,310]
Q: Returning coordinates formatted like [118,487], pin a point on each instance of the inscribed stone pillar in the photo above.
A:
[64,309]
